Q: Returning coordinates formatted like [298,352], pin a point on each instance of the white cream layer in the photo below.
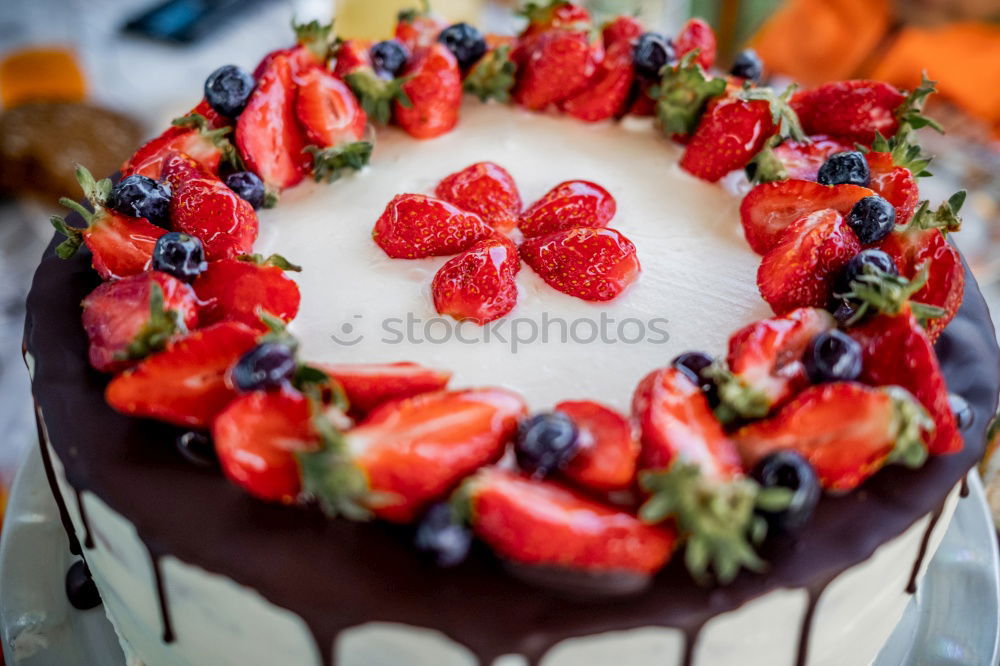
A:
[696,287]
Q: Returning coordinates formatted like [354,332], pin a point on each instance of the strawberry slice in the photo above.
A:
[433,87]
[411,452]
[352,55]
[202,134]
[267,132]
[886,426]
[591,264]
[800,270]
[241,289]
[478,285]
[177,168]
[607,93]
[768,209]
[333,122]
[697,34]
[800,160]
[369,385]
[128,319]
[120,245]
[414,226]
[728,136]
[852,111]
[225,223]
[553,66]
[608,452]
[545,524]
[256,437]
[764,366]
[574,203]
[895,184]
[185,383]
[487,190]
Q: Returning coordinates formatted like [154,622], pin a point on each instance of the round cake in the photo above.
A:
[468,425]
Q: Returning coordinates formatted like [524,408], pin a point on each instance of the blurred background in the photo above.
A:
[78,83]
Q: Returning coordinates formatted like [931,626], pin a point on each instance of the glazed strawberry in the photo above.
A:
[800,270]
[554,66]
[478,285]
[267,132]
[607,93]
[120,245]
[728,136]
[352,55]
[621,29]
[333,122]
[313,46]
[128,319]
[418,28]
[368,385]
[414,226]
[485,189]
[185,383]
[608,451]
[798,160]
[555,15]
[240,289]
[896,184]
[433,87]
[852,111]
[256,438]
[574,203]
[591,264]
[177,168]
[697,34]
[202,134]
[411,452]
[225,223]
[764,365]
[768,209]
[847,431]
[543,523]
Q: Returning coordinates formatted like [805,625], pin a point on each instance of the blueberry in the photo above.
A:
[227,90]
[855,268]
[248,186]
[141,196]
[266,366]
[81,591]
[389,58]
[847,167]
[832,356]
[652,53]
[695,364]
[964,415]
[872,218]
[179,255]
[747,65]
[465,42]
[441,538]
[545,442]
[197,448]
[788,469]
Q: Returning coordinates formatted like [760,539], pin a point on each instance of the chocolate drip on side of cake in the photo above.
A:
[964,488]
[161,598]
[88,537]
[50,476]
[911,586]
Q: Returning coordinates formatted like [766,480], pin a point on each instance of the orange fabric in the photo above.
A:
[814,41]
[49,74]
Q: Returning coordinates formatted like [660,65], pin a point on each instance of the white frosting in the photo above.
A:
[697,283]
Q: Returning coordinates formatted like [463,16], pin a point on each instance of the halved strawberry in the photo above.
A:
[852,111]
[414,226]
[764,363]
[418,28]
[621,29]
[591,264]
[267,132]
[411,452]
[241,289]
[608,452]
[728,136]
[799,160]
[554,15]
[487,190]
[544,523]
[478,285]
[574,203]
[333,123]
[177,168]
[895,184]
[128,319]
[768,209]
[607,93]
[185,383]
[800,270]
[697,34]
[256,438]
[314,42]
[847,432]
[373,90]
[206,208]
[120,245]
[553,66]
[433,90]
[352,55]
[369,385]
[202,134]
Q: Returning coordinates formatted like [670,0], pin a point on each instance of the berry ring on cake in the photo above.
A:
[626,362]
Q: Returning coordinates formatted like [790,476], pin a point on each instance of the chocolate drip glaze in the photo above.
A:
[370,572]
[911,586]
[690,643]
[963,490]
[161,598]
[88,537]
[50,476]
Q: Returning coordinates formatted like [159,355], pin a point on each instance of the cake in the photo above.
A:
[357,480]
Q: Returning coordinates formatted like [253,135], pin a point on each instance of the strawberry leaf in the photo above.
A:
[154,335]
[682,94]
[944,218]
[493,76]
[765,167]
[910,422]
[74,236]
[376,94]
[272,260]
[737,399]
[329,164]
[888,294]
[782,113]
[218,137]
[316,37]
[910,112]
